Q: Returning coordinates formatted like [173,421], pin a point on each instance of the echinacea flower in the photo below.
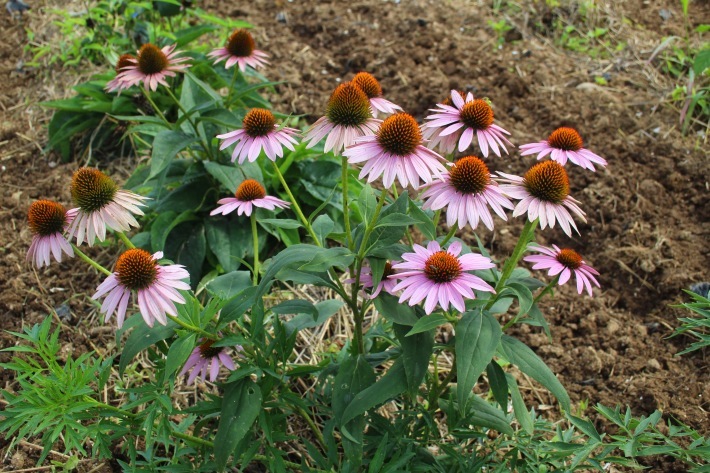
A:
[544,194]
[48,220]
[101,205]
[386,283]
[152,66]
[241,50]
[156,286]
[396,150]
[565,262]
[467,118]
[259,131]
[368,84]
[347,116]
[466,191]
[440,276]
[564,143]
[432,136]
[250,194]
[118,84]
[206,357]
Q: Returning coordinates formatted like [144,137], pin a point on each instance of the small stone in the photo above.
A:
[653,365]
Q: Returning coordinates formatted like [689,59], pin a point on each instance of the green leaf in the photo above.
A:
[525,297]
[392,310]
[166,145]
[238,305]
[326,258]
[521,412]
[323,226]
[281,222]
[177,355]
[498,383]
[188,247]
[229,176]
[485,415]
[395,220]
[325,310]
[585,426]
[393,383]
[529,363]
[164,224]
[477,336]
[142,337]
[701,62]
[240,408]
[230,284]
[230,242]
[416,353]
[295,306]
[427,323]
[367,202]
[425,223]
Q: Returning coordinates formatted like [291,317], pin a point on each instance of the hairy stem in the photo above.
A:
[296,207]
[346,208]
[126,241]
[88,260]
[255,239]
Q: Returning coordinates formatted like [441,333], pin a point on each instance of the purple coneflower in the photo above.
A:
[564,262]
[48,220]
[259,131]
[466,191]
[206,357]
[347,116]
[385,284]
[118,84]
[250,194]
[466,119]
[440,276]
[564,143]
[396,151]
[157,287]
[368,84]
[544,194]
[152,66]
[241,50]
[446,144]
[101,204]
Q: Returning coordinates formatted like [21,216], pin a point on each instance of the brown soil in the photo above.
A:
[647,227]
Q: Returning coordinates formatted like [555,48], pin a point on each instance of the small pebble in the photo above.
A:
[653,365]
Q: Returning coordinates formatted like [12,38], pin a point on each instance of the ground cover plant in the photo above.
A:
[338,234]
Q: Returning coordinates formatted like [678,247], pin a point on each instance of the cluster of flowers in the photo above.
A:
[396,148]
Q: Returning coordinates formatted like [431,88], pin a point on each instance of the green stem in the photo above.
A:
[192,328]
[452,232]
[311,424]
[126,241]
[437,215]
[228,101]
[440,388]
[155,107]
[88,260]
[511,263]
[204,143]
[255,238]
[359,314]
[346,208]
[296,207]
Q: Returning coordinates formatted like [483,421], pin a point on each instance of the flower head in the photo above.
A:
[544,194]
[48,220]
[259,131]
[101,204]
[396,151]
[207,357]
[466,191]
[241,50]
[565,262]
[157,287]
[440,276]
[347,116]
[152,66]
[564,143]
[386,283]
[368,84]
[465,119]
[250,194]
[117,84]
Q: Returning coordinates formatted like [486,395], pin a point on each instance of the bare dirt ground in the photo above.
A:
[647,229]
